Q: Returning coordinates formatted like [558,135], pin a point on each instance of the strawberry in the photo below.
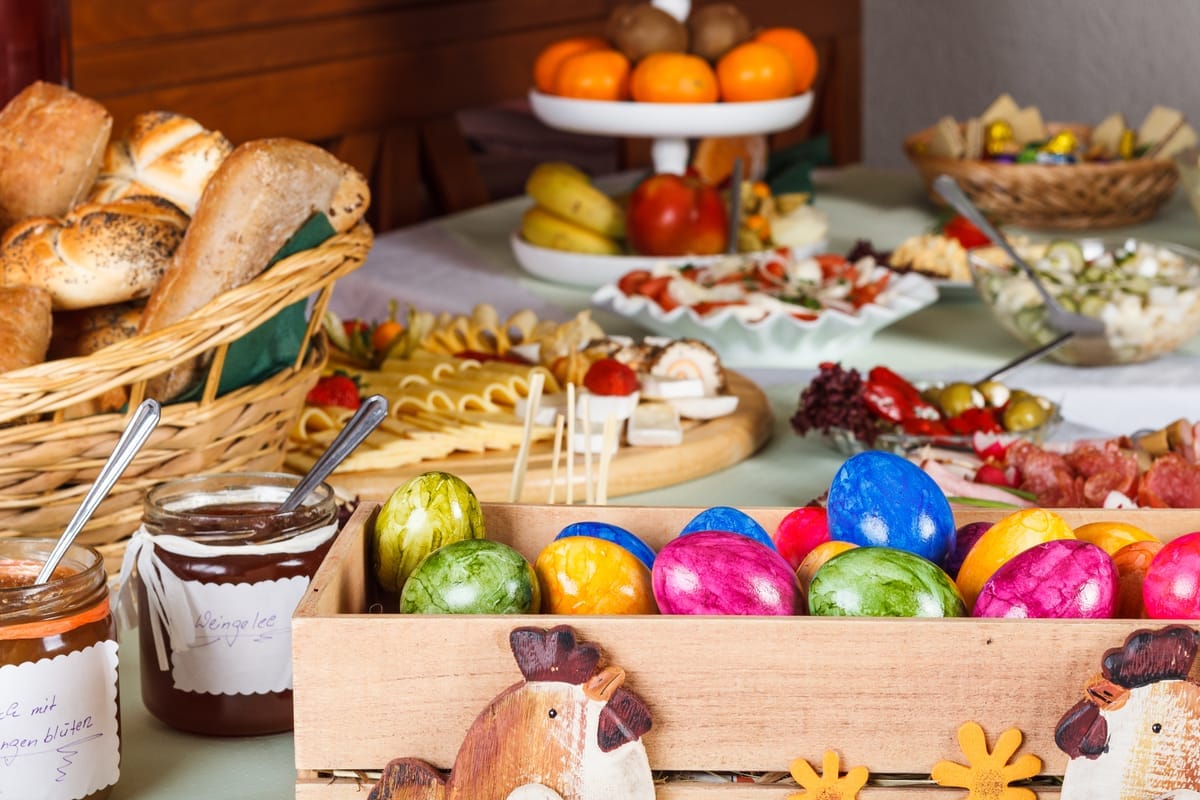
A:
[610,377]
[338,389]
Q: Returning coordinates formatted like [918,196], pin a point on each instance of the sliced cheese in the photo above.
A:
[1003,107]
[973,139]
[1027,126]
[654,425]
[1160,123]
[947,141]
[1183,138]
[1106,136]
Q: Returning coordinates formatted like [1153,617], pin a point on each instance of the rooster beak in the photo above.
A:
[604,684]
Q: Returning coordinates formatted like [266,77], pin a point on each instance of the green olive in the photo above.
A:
[958,397]
[1024,414]
[932,394]
[994,392]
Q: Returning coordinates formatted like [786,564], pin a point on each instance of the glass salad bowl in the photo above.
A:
[1147,293]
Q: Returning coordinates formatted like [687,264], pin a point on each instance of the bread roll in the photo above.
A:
[97,255]
[25,326]
[163,154]
[258,197]
[51,144]
[87,330]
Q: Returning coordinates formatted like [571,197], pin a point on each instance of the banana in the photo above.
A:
[545,229]
[568,192]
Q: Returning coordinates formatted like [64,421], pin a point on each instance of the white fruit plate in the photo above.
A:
[593,271]
[669,120]
[778,340]
[670,125]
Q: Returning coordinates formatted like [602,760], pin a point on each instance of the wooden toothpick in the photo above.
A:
[537,381]
[589,489]
[570,444]
[558,432]
[607,445]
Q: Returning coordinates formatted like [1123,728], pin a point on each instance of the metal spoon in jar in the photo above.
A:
[140,426]
[1087,332]
[373,411]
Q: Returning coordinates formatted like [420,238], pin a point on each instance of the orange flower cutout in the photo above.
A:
[987,775]
[829,785]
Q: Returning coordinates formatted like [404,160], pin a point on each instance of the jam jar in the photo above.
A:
[220,571]
[60,726]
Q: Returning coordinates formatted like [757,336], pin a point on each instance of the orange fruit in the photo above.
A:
[755,71]
[593,75]
[551,58]
[800,51]
[673,78]
[714,156]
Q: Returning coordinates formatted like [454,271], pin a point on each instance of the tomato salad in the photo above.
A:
[756,286]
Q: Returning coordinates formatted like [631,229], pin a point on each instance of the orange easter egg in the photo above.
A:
[1011,535]
[586,575]
[1112,536]
[816,559]
[1133,560]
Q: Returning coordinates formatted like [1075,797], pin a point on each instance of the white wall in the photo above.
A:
[1077,60]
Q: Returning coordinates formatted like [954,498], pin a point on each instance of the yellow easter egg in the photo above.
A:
[587,575]
[1112,536]
[1011,535]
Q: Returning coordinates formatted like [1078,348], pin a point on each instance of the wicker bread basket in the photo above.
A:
[46,466]
[1075,196]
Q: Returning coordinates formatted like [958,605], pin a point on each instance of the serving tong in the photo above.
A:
[1087,334]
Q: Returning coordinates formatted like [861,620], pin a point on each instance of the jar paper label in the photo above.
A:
[238,636]
[58,725]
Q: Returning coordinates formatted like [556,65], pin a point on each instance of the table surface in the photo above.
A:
[426,266]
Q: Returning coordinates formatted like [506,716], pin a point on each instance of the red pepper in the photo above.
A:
[924,427]
[962,229]
[886,401]
[915,405]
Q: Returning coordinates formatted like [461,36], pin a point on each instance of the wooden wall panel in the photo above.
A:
[322,70]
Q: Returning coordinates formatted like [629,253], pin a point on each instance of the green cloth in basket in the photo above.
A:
[275,344]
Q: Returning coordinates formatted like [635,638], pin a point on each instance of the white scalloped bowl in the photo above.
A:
[778,340]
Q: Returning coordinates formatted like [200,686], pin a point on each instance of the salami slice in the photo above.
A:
[1104,470]
[1171,482]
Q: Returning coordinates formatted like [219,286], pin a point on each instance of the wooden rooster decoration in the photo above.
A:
[1136,733]
[567,732]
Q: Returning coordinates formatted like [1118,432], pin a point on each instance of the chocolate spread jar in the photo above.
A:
[220,572]
[60,727]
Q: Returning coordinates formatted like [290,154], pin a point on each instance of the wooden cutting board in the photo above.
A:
[707,447]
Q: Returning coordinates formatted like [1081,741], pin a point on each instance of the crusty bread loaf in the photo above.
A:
[258,197]
[163,154]
[24,326]
[88,330]
[97,255]
[51,144]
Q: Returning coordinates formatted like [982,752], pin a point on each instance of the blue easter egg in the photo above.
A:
[725,518]
[611,533]
[879,499]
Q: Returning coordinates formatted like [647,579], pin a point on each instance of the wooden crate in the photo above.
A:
[728,694]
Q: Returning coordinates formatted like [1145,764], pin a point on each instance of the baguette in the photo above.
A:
[97,255]
[163,154]
[25,325]
[256,199]
[52,141]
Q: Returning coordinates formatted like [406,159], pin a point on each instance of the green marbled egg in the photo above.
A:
[883,582]
[472,576]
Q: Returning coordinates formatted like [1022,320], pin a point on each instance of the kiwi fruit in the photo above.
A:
[641,29]
[716,29]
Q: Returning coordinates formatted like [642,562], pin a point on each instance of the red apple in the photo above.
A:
[675,215]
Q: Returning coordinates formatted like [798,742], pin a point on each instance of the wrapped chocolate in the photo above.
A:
[999,141]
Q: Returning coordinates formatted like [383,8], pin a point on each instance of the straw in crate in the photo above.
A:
[1100,192]
[48,460]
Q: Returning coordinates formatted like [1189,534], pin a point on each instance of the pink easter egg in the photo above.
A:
[1171,589]
[1059,579]
[800,531]
[717,572]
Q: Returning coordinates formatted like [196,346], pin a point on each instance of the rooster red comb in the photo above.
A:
[553,655]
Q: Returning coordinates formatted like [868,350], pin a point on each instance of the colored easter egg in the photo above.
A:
[472,576]
[1059,579]
[1012,534]
[800,531]
[879,499]
[611,533]
[964,540]
[425,513]
[717,572]
[1172,586]
[1112,536]
[814,561]
[883,582]
[731,520]
[589,575]
[1132,562]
